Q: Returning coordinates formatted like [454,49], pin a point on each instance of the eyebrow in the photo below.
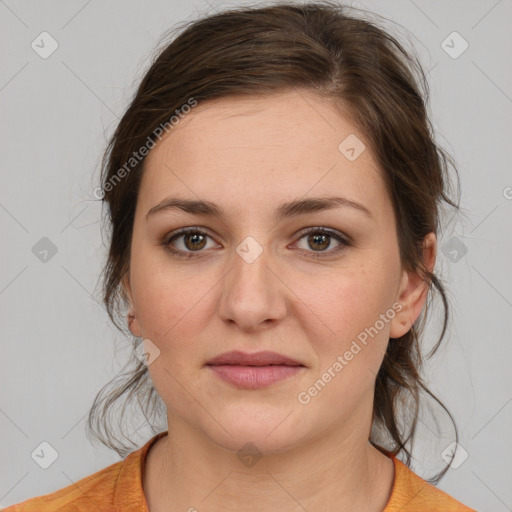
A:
[286,210]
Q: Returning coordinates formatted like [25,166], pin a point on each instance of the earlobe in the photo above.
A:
[399,326]
[413,291]
[133,324]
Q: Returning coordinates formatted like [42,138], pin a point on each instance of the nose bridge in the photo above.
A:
[251,293]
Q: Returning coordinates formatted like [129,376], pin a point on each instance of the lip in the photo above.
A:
[253,371]
[264,358]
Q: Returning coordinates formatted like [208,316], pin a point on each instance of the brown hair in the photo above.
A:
[318,46]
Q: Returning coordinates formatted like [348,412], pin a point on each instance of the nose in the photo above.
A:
[253,296]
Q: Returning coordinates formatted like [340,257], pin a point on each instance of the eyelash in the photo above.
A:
[344,243]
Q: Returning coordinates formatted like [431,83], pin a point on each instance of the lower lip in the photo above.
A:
[254,377]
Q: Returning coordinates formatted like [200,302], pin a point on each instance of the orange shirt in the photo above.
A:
[118,488]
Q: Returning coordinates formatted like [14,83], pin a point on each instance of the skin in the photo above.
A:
[249,155]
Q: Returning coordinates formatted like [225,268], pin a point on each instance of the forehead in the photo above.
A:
[261,149]
[300,118]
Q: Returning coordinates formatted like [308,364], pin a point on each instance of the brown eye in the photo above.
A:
[319,241]
[187,241]
[194,241]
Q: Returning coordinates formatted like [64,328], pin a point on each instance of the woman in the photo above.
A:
[273,192]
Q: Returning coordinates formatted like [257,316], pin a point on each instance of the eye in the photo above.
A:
[187,241]
[319,239]
[193,241]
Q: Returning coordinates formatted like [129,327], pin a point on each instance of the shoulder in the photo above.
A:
[94,492]
[116,487]
[412,493]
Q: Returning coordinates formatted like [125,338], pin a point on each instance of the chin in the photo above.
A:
[270,431]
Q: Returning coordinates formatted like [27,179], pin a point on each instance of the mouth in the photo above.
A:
[254,371]
[264,358]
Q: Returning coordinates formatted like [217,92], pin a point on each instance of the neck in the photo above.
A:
[187,471]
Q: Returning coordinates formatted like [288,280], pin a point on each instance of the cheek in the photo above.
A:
[350,354]
[353,301]
[168,302]
[172,310]
[355,309]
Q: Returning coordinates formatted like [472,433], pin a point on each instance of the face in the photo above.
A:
[321,285]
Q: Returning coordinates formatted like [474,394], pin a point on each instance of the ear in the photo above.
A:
[133,323]
[413,291]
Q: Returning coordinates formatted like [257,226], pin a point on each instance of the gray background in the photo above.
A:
[58,347]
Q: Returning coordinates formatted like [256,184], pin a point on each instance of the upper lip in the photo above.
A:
[264,358]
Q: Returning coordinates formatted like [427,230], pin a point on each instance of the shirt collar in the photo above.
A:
[129,492]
